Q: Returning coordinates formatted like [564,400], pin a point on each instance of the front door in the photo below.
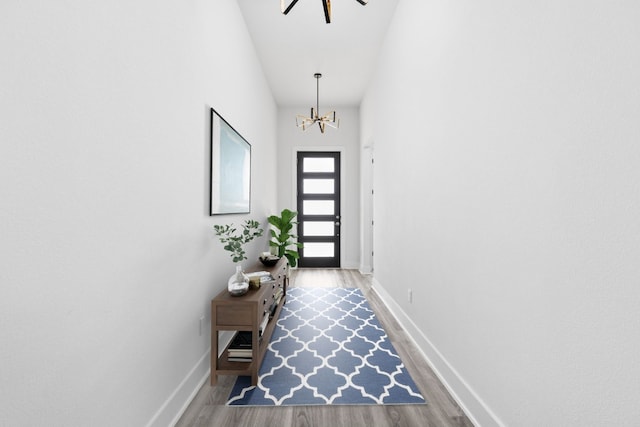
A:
[319,208]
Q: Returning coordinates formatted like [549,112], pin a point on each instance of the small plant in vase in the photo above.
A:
[234,241]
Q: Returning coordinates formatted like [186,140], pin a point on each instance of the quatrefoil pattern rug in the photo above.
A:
[328,349]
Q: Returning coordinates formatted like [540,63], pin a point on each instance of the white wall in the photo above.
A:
[346,140]
[108,258]
[507,196]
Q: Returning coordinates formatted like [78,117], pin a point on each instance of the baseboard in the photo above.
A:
[472,405]
[365,269]
[175,405]
[349,266]
[173,408]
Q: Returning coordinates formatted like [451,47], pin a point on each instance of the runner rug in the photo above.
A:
[328,349]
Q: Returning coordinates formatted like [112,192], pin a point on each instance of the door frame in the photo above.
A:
[294,180]
[367,165]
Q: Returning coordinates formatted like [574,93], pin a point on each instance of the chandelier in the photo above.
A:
[326,4]
[328,119]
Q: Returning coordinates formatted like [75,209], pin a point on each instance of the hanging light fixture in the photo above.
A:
[328,119]
[326,4]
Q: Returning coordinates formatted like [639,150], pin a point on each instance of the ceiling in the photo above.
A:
[294,47]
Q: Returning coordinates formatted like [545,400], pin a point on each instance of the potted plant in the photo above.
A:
[283,241]
[234,241]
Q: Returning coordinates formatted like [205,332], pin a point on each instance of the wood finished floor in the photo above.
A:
[208,407]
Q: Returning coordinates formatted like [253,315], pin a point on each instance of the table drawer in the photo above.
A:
[237,315]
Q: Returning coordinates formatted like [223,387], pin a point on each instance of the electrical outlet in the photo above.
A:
[201,327]
[410,296]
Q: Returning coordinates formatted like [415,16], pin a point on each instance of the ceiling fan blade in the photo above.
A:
[362,2]
[327,10]
[288,8]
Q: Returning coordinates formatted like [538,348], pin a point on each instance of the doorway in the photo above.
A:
[318,204]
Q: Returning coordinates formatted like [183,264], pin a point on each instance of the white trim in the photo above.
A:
[473,406]
[366,208]
[294,180]
[183,387]
[349,266]
[188,387]
[365,269]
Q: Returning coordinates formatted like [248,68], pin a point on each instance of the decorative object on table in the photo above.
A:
[238,284]
[328,119]
[230,173]
[234,241]
[269,260]
[283,242]
[328,348]
[257,278]
[326,5]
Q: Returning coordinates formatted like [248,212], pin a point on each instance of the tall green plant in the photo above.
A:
[284,239]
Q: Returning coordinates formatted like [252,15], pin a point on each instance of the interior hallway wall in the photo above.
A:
[108,255]
[508,199]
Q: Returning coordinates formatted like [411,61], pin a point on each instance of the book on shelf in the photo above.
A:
[240,353]
[264,322]
[239,359]
[241,348]
[272,309]
[242,339]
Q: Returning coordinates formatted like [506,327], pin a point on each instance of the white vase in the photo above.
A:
[238,283]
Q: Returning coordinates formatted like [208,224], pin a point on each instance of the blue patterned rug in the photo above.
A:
[328,349]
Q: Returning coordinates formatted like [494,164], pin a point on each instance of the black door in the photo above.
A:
[319,208]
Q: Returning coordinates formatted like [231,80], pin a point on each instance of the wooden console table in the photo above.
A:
[245,313]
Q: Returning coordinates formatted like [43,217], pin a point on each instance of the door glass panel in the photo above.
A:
[318,186]
[318,228]
[318,250]
[318,207]
[318,164]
